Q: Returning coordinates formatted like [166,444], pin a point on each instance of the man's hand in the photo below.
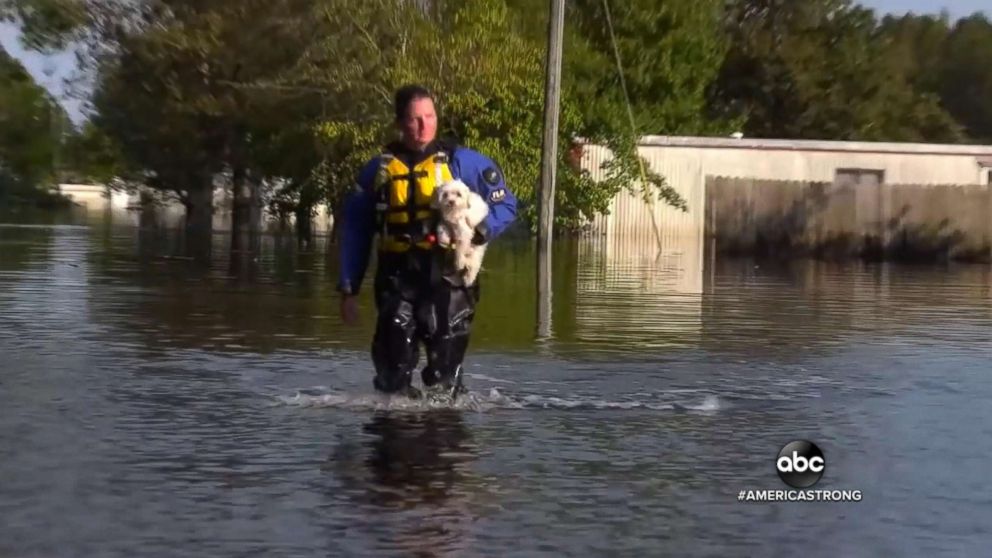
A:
[349,309]
[481,234]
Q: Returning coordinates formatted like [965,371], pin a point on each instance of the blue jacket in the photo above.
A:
[476,170]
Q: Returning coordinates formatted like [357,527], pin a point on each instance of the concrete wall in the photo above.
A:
[842,219]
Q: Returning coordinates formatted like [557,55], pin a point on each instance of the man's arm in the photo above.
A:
[485,178]
[357,230]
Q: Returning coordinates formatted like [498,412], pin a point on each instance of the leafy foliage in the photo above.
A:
[297,93]
[31,132]
[820,70]
[489,80]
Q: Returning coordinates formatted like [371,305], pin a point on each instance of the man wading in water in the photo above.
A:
[416,294]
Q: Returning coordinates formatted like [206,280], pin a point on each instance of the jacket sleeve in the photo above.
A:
[485,178]
[358,229]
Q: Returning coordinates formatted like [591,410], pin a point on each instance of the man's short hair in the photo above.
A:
[408,94]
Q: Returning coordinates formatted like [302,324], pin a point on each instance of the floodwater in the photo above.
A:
[154,406]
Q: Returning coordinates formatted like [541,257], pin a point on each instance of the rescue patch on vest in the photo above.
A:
[497,195]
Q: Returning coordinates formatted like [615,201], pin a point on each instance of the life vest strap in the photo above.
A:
[405,209]
[409,175]
[416,235]
[406,191]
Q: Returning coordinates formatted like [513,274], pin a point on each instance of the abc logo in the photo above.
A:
[800,464]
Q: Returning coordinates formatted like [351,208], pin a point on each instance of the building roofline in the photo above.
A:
[818,145]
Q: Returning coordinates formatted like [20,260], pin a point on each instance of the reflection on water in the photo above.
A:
[415,458]
[630,288]
[412,475]
[153,401]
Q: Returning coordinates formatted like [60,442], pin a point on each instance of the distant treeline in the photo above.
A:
[286,98]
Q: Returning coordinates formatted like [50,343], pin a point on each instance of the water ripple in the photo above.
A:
[151,401]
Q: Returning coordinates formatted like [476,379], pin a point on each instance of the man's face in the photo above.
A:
[419,126]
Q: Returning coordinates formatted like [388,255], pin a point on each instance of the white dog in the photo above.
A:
[461,211]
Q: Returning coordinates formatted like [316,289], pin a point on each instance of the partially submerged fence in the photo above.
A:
[871,220]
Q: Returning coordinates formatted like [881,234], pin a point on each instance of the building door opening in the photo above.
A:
[859,177]
[862,193]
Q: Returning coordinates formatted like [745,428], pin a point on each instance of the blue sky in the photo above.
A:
[957,8]
[50,71]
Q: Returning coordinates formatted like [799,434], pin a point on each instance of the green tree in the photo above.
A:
[31,133]
[297,93]
[170,93]
[671,51]
[965,77]
[949,62]
[90,155]
[819,69]
[487,67]
[47,24]
[917,44]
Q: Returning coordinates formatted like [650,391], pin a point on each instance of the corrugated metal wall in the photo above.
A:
[687,167]
[631,216]
[627,282]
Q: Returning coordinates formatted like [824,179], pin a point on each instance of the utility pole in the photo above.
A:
[549,159]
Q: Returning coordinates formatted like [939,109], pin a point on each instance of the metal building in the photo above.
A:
[687,162]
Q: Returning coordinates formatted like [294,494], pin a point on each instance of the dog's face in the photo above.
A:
[453,197]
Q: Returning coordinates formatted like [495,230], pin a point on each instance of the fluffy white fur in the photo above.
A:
[461,210]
